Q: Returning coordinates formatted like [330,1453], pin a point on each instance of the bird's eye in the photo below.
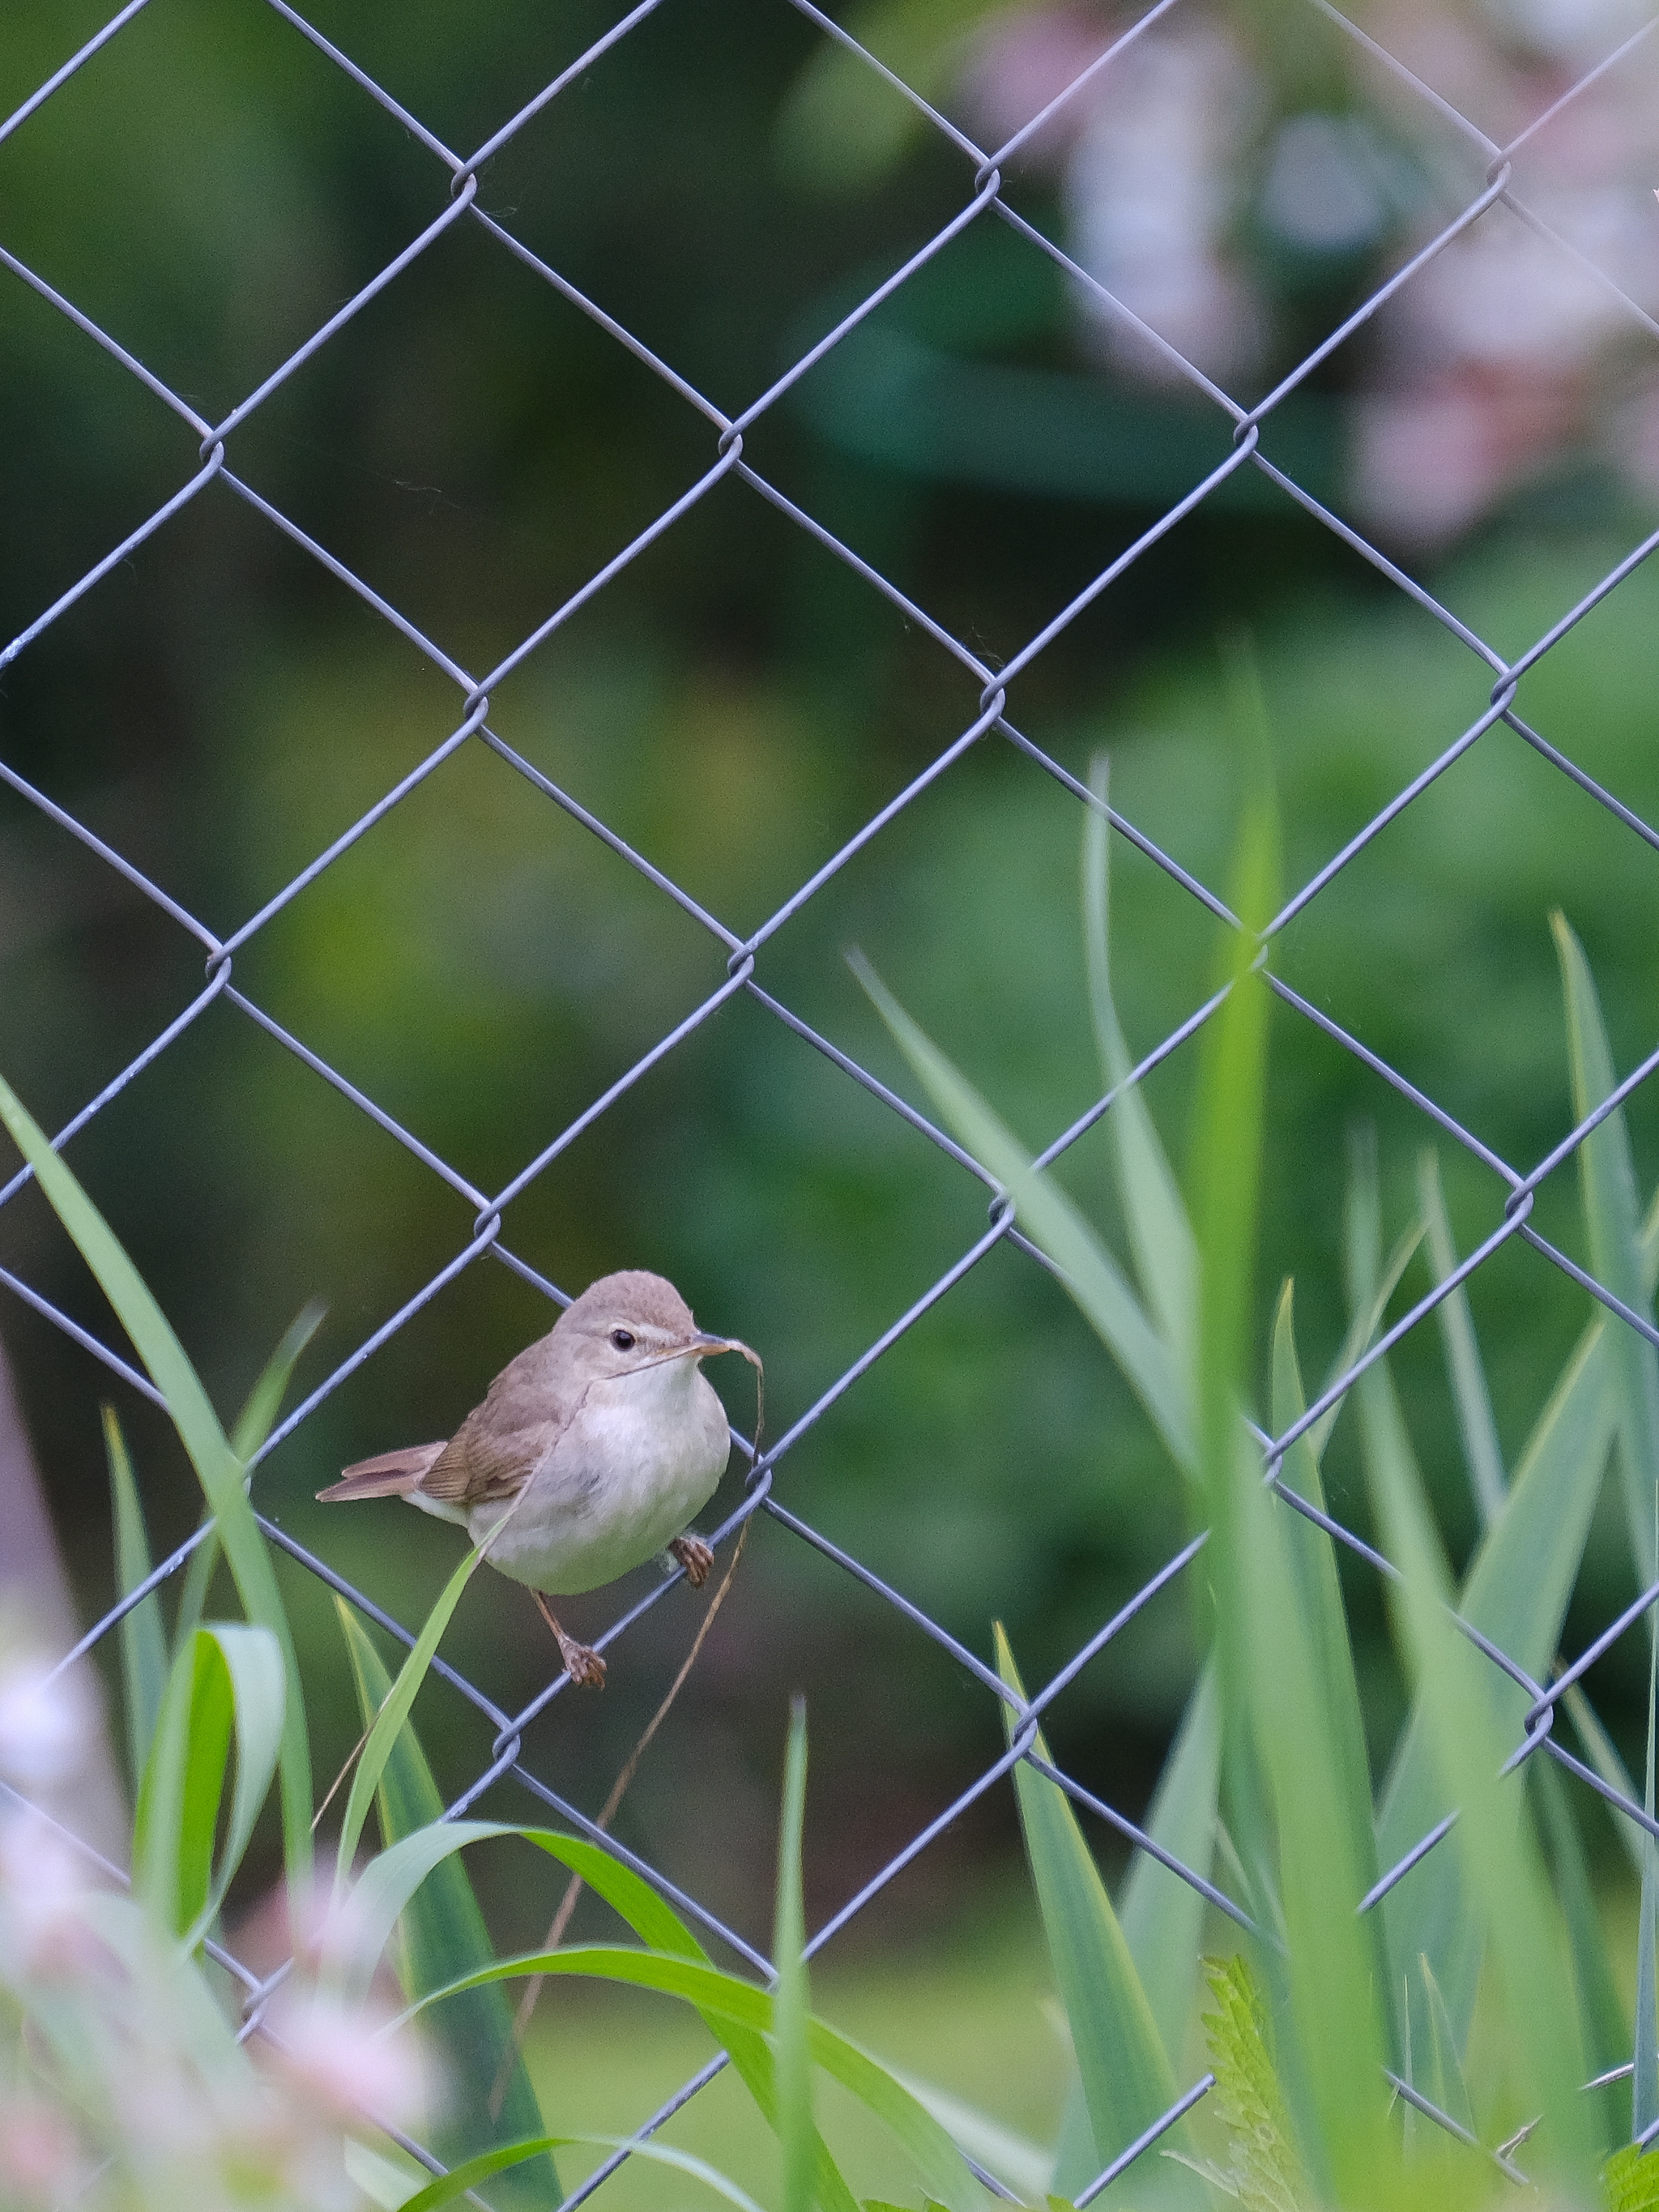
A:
[623,1339]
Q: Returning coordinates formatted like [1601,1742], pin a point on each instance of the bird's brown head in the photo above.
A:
[636,1319]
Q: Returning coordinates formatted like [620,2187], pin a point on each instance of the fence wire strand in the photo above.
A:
[737,968]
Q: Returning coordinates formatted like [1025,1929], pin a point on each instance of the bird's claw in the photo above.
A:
[582,1663]
[695,1556]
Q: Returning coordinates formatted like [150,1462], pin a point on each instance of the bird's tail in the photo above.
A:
[392,1474]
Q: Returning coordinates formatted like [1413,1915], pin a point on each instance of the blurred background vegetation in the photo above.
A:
[737,704]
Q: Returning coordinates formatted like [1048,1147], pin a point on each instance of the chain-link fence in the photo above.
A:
[984,200]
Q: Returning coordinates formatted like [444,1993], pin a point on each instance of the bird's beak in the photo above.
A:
[707,1346]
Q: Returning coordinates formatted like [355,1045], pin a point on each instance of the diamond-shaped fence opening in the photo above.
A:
[1468,230]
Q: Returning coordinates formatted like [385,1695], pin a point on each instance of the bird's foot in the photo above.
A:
[581,1662]
[695,1556]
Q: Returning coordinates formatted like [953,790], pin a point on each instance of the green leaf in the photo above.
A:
[388,1722]
[417,1879]
[143,1645]
[229,1676]
[1091,1274]
[1482,1454]
[794,2069]
[1464,1722]
[1160,1235]
[1611,1217]
[217,1468]
[1125,2068]
[724,2001]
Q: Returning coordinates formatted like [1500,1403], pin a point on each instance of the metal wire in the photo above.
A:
[737,967]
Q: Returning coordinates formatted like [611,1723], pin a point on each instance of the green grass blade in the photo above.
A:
[1482,1454]
[1612,1218]
[460,2180]
[177,1817]
[1516,1592]
[1092,1275]
[1126,2076]
[389,1721]
[1160,1235]
[1162,1916]
[1603,1755]
[258,1694]
[1445,2085]
[249,1432]
[417,1881]
[1366,1320]
[258,1415]
[389,1883]
[1645,2075]
[217,1468]
[794,2066]
[723,2000]
[1607,2036]
[228,1678]
[253,1425]
[1465,1727]
[1273,1639]
[1313,1562]
[143,1645]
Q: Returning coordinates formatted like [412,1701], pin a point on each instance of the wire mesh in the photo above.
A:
[983,199]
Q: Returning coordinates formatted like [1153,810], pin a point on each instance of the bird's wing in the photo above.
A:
[500,1443]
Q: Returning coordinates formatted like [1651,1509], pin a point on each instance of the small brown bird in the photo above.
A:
[591,1451]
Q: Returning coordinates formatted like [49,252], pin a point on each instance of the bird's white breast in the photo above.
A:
[642,1454]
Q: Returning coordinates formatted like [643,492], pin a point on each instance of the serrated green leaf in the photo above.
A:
[143,1643]
[1264,2171]
[217,1468]
[1630,2180]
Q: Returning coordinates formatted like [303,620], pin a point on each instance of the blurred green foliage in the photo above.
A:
[735,704]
